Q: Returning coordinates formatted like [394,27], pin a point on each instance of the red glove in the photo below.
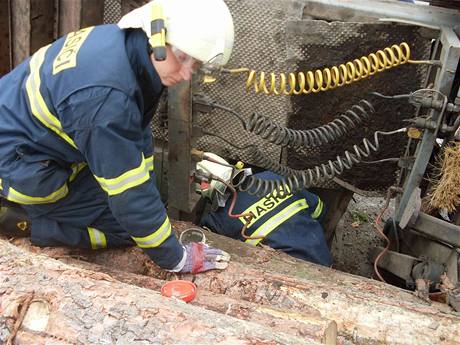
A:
[201,257]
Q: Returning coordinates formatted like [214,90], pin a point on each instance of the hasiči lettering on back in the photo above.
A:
[265,205]
[67,57]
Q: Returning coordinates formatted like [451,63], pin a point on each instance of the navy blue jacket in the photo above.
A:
[87,100]
[289,222]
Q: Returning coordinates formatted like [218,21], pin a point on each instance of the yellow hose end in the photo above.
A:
[208,79]
[239,165]
[414,133]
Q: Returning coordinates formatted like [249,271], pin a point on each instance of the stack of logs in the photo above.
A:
[72,296]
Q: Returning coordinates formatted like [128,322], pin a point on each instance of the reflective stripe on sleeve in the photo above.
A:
[156,238]
[15,196]
[318,209]
[1,185]
[149,162]
[97,238]
[129,179]
[76,168]
[37,103]
[279,218]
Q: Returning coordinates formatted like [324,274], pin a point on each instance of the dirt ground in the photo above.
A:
[356,235]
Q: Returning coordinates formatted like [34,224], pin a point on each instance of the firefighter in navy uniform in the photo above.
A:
[75,143]
[290,222]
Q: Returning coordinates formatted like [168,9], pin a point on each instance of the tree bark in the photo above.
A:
[366,311]
[45,301]
[308,325]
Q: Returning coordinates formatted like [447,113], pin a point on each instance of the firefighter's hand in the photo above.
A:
[201,257]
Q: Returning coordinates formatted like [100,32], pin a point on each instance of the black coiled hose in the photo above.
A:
[295,180]
[269,130]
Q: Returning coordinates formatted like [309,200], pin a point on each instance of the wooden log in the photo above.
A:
[45,301]
[366,311]
[309,325]
[363,309]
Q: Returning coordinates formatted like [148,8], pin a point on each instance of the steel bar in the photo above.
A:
[450,56]
[438,229]
[394,262]
[358,10]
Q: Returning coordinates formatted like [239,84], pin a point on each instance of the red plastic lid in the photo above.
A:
[182,289]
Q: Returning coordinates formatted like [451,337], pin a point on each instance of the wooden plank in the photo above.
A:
[32,27]
[5,49]
[20,30]
[77,14]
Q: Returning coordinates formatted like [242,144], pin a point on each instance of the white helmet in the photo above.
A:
[202,29]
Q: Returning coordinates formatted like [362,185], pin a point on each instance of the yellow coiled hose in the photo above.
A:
[327,78]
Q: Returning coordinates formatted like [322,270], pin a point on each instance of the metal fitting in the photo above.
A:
[429,102]
[423,123]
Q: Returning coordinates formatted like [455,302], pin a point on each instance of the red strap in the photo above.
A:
[197,256]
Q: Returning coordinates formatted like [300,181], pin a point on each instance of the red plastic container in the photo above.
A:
[181,289]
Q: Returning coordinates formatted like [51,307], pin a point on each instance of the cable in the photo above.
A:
[378,227]
[297,179]
[411,96]
[223,107]
[378,94]
[228,142]
[329,78]
[381,161]
[269,130]
[247,216]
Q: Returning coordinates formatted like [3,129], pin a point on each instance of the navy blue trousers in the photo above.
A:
[66,221]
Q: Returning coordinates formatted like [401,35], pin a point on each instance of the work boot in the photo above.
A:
[14,222]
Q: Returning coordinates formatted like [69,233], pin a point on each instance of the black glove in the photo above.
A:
[14,222]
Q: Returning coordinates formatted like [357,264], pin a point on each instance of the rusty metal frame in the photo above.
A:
[447,22]
[358,10]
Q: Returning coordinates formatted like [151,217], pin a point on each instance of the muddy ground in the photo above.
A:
[356,235]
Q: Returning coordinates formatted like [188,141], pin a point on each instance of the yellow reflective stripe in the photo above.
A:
[37,103]
[129,179]
[158,39]
[76,168]
[318,209]
[156,238]
[97,238]
[271,224]
[149,162]
[15,196]
[1,185]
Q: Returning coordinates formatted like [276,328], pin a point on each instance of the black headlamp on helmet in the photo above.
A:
[157,39]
